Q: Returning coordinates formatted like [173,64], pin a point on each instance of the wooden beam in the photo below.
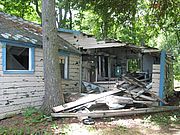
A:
[112,113]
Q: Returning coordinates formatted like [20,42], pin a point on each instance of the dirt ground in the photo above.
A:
[132,125]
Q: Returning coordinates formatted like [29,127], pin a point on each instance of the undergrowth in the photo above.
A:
[33,121]
[164,118]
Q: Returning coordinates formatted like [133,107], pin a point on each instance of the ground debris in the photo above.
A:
[132,95]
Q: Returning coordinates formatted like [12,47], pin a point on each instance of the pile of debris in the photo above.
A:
[129,96]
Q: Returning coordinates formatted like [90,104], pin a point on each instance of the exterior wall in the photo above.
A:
[147,63]
[18,91]
[156,79]
[73,84]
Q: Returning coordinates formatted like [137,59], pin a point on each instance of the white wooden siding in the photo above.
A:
[73,83]
[156,79]
[18,91]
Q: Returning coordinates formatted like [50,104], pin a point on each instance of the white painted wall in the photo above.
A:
[18,91]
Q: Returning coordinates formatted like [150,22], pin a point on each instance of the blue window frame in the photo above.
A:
[17,59]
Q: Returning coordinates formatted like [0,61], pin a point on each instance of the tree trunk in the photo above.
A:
[52,77]
[70,17]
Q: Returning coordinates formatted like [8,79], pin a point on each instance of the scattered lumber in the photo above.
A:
[112,113]
[132,92]
[85,99]
[158,98]
[133,81]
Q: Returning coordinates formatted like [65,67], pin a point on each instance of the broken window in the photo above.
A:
[133,65]
[64,66]
[18,59]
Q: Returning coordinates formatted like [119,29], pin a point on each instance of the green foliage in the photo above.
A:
[22,131]
[21,8]
[135,21]
[172,45]
[164,118]
[133,65]
[13,131]
[28,112]
[34,116]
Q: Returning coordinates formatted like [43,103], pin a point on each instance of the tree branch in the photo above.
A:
[37,8]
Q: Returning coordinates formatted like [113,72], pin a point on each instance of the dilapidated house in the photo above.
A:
[109,61]
[21,65]
[120,79]
[106,62]
[81,57]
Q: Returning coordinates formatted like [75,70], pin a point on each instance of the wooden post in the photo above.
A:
[96,70]
[99,66]
[80,73]
[109,68]
[127,65]
[66,59]
[162,73]
[103,61]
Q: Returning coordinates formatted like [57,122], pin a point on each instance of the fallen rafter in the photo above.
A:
[112,113]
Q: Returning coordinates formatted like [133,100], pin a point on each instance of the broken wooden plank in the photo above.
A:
[134,94]
[112,113]
[86,99]
[134,81]
[115,99]
[157,97]
[143,102]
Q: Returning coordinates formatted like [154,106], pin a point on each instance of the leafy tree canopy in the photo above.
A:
[152,22]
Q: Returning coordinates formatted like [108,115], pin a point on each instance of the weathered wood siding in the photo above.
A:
[156,78]
[73,84]
[18,91]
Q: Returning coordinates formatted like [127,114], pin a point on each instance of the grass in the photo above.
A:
[164,118]
[33,116]
[120,130]
[31,122]
[34,122]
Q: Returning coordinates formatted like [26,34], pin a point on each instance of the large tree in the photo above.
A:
[53,91]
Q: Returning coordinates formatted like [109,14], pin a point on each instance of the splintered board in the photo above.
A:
[86,99]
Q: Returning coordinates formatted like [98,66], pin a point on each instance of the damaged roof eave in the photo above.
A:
[19,43]
[150,51]
[106,45]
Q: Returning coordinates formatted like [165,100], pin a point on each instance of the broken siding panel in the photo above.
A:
[19,91]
